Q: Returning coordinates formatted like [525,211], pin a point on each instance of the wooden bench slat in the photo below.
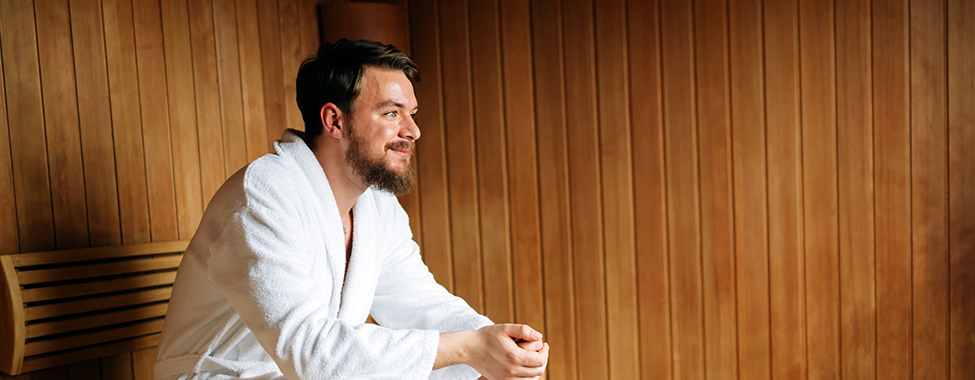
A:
[81,306]
[98,270]
[96,320]
[83,254]
[52,345]
[34,364]
[96,287]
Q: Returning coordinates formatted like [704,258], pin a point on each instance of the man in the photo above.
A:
[300,246]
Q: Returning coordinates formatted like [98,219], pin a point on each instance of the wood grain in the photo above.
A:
[142,363]
[556,226]
[649,189]
[430,148]
[229,83]
[86,370]
[61,124]
[9,237]
[585,194]
[291,58]
[854,142]
[683,202]
[182,112]
[95,119]
[818,97]
[25,118]
[491,158]
[961,181]
[616,182]
[118,366]
[521,142]
[124,94]
[892,181]
[747,95]
[460,154]
[787,292]
[929,190]
[251,79]
[275,106]
[207,96]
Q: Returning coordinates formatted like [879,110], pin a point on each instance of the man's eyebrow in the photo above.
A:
[394,103]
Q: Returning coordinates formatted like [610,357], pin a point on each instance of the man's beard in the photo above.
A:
[376,171]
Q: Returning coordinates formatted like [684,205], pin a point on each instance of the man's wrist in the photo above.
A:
[453,348]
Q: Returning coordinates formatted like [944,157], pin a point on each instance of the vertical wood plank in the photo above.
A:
[124,95]
[892,171]
[252,85]
[716,203]
[929,181]
[55,373]
[142,363]
[9,237]
[291,58]
[855,189]
[86,370]
[521,142]
[585,193]
[229,83]
[308,32]
[117,367]
[615,158]
[649,197]
[182,107]
[683,207]
[207,96]
[747,73]
[460,153]
[275,108]
[961,187]
[25,120]
[430,148]
[818,96]
[492,173]
[151,60]
[556,226]
[787,292]
[61,122]
[95,119]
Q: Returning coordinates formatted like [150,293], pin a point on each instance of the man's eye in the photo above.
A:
[390,113]
[413,115]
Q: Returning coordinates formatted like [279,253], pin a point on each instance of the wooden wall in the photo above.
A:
[707,189]
[120,118]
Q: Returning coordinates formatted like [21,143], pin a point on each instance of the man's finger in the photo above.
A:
[535,359]
[530,345]
[523,332]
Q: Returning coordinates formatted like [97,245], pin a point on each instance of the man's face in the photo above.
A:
[382,131]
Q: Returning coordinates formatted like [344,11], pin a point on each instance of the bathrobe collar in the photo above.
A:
[355,297]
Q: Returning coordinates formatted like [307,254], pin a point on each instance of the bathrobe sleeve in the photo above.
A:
[261,263]
[407,296]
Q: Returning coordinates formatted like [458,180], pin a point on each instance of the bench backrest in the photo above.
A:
[61,307]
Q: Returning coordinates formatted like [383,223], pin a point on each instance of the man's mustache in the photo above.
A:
[401,145]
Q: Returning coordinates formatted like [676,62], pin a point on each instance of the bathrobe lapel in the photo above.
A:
[364,267]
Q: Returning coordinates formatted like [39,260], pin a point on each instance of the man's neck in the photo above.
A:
[346,188]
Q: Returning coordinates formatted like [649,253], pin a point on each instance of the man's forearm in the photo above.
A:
[452,349]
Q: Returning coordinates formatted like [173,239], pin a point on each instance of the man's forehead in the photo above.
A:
[388,87]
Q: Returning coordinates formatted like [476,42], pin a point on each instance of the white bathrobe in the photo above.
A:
[260,291]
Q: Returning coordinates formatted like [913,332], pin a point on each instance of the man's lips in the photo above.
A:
[401,152]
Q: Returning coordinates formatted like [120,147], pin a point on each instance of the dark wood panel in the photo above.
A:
[86,370]
[124,94]
[961,183]
[117,367]
[95,119]
[523,186]
[892,177]
[182,107]
[9,237]
[491,158]
[616,182]
[929,181]
[683,207]
[158,147]
[787,292]
[556,226]
[649,197]
[435,220]
[818,97]
[585,193]
[854,142]
[61,122]
[25,120]
[142,363]
[747,74]
[715,189]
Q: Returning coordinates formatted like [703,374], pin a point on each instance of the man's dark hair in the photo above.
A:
[334,75]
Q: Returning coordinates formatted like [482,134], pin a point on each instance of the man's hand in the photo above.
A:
[506,351]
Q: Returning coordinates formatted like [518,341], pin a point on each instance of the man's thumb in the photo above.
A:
[523,332]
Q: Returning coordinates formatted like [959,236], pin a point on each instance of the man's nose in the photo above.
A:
[410,131]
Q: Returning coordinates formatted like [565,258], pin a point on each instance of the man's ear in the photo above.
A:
[333,120]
